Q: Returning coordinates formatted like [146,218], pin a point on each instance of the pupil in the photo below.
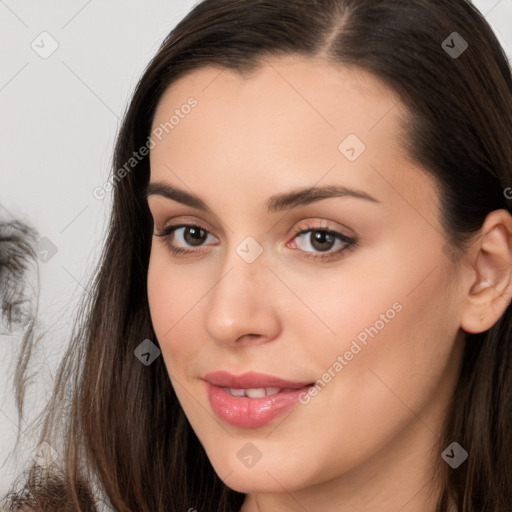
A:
[322,240]
[196,235]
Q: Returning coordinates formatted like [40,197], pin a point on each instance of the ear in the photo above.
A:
[490,281]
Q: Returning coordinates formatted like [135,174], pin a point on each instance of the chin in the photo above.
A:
[263,477]
[256,482]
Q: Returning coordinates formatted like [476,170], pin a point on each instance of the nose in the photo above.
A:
[243,307]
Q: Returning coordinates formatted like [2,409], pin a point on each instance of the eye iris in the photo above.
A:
[197,235]
[319,240]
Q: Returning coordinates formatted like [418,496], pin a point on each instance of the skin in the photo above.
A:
[367,441]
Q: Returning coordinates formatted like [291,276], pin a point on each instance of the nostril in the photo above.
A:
[248,338]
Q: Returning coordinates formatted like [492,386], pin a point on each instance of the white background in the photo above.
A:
[60,116]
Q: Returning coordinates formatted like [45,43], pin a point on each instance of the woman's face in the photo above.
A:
[347,287]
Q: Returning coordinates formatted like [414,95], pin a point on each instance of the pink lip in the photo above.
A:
[251,412]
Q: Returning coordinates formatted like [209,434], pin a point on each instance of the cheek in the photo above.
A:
[406,336]
[173,296]
[389,360]
[357,303]
[389,329]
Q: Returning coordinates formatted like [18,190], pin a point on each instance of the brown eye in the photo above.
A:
[194,235]
[322,244]
[181,239]
[321,240]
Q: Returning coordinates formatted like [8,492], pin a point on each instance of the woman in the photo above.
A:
[303,301]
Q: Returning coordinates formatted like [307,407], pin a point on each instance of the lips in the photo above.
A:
[251,380]
[253,399]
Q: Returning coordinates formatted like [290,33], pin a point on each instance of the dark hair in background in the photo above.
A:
[123,421]
[18,307]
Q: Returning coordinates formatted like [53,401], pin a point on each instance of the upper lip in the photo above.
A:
[251,380]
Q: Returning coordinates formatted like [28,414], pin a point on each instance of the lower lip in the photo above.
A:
[251,412]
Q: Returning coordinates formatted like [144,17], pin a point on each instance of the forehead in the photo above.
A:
[292,103]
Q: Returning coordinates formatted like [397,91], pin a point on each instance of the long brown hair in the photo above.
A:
[118,422]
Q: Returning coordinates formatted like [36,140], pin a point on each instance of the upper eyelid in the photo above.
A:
[185,219]
[182,222]
[295,230]
[337,233]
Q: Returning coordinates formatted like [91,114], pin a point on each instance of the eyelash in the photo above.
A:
[349,243]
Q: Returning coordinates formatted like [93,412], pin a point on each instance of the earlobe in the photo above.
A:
[490,290]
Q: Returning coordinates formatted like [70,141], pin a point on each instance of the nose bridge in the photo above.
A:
[240,302]
[247,261]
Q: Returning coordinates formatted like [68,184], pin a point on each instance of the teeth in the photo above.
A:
[253,392]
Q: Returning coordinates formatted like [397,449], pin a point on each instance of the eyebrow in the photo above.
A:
[276,203]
